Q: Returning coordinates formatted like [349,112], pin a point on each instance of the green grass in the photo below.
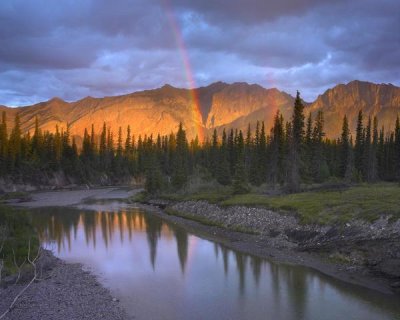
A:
[138,197]
[16,232]
[215,195]
[365,202]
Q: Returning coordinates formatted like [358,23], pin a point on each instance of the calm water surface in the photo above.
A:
[159,271]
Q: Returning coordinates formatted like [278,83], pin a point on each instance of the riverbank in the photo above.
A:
[333,250]
[64,198]
[64,291]
[358,252]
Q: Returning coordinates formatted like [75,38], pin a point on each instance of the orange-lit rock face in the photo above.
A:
[221,106]
[380,100]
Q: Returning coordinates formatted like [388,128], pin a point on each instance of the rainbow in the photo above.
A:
[193,94]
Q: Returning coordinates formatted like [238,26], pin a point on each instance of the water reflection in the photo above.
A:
[214,281]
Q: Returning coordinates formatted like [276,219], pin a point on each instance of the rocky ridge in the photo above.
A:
[217,106]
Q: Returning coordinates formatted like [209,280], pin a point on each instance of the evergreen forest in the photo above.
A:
[294,152]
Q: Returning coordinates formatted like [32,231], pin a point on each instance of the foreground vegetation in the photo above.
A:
[17,239]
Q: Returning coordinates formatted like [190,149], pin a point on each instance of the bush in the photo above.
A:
[15,234]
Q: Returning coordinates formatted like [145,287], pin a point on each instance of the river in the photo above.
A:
[160,271]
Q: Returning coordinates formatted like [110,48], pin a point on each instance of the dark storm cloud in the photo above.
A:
[250,11]
[72,48]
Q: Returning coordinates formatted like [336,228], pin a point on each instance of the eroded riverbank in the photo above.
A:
[362,253]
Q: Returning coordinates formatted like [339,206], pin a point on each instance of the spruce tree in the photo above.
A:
[154,180]
[14,145]
[345,150]
[240,180]
[308,149]
[180,166]
[276,164]
[223,174]
[319,167]
[214,153]
[396,148]
[295,142]
[3,144]
[359,144]
[103,147]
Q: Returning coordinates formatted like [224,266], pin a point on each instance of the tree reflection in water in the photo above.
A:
[288,290]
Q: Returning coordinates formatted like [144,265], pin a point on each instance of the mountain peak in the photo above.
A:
[56,100]
[380,100]
[167,86]
[222,106]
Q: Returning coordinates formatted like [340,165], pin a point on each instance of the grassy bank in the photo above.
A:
[16,236]
[366,201]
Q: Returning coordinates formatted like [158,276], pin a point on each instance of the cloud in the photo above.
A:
[72,49]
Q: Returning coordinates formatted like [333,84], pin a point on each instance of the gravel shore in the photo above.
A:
[67,292]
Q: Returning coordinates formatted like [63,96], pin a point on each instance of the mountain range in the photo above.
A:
[217,106]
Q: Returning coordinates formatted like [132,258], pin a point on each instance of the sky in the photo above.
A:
[77,48]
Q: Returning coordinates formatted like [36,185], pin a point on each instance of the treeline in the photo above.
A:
[295,151]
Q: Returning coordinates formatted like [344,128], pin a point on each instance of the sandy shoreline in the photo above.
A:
[65,198]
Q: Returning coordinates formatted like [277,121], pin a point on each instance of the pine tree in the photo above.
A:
[345,165]
[248,150]
[154,181]
[319,167]
[231,152]
[396,156]
[37,141]
[93,141]
[3,144]
[296,139]
[373,160]
[240,180]
[276,165]
[180,166]
[103,147]
[214,153]
[369,154]
[14,149]
[128,142]
[308,149]
[262,155]
[381,154]
[57,148]
[359,144]
[223,174]
[86,153]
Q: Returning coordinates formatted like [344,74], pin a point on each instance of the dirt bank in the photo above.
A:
[358,252]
